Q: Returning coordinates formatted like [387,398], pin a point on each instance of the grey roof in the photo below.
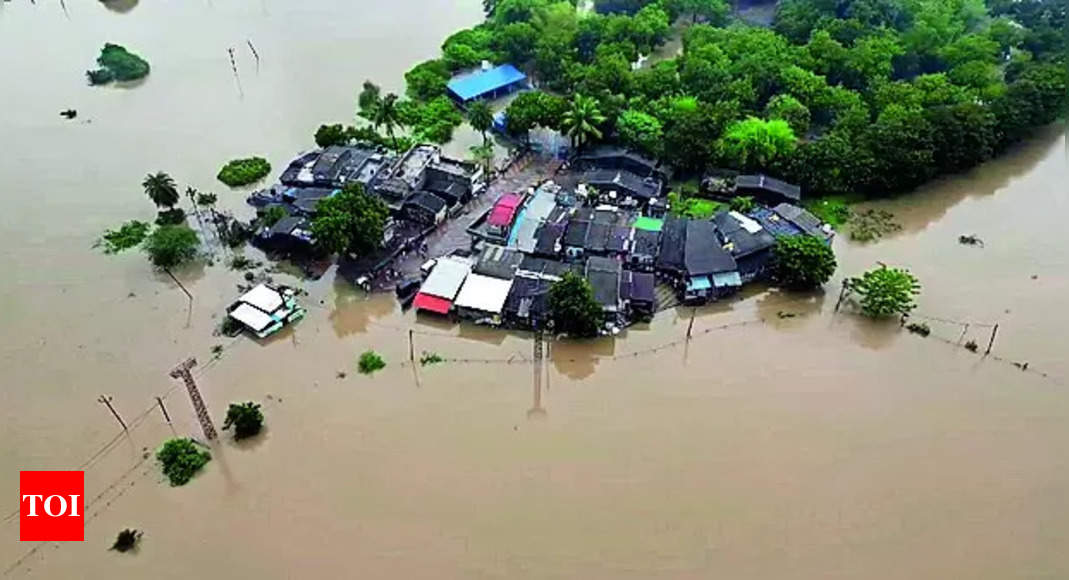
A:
[546,238]
[639,286]
[498,262]
[544,267]
[597,237]
[704,254]
[528,297]
[618,239]
[806,221]
[623,182]
[673,244]
[575,233]
[284,226]
[645,243]
[604,277]
[621,158]
[428,201]
[742,242]
[770,184]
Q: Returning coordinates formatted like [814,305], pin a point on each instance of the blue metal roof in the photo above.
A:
[474,85]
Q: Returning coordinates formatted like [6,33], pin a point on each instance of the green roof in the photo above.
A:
[649,224]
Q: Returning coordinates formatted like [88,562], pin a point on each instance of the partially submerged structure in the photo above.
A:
[264,310]
[486,83]
[443,284]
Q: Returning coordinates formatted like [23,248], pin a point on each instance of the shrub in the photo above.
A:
[129,235]
[246,418]
[872,224]
[170,217]
[802,262]
[919,328]
[430,358]
[117,64]
[885,291]
[830,211]
[181,460]
[370,361]
[127,540]
[573,307]
[240,172]
[742,204]
[273,214]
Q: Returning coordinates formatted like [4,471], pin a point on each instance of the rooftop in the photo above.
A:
[704,254]
[479,83]
[504,210]
[483,293]
[766,183]
[446,278]
[498,262]
[743,235]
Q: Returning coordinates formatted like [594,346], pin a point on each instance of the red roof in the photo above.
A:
[504,210]
[432,303]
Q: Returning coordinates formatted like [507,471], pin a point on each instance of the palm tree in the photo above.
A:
[387,115]
[480,117]
[582,120]
[484,155]
[161,190]
[369,100]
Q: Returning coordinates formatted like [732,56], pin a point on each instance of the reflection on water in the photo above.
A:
[781,309]
[355,309]
[578,359]
[120,6]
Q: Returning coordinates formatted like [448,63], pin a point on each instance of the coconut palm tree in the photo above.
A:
[161,190]
[483,155]
[480,117]
[581,121]
[386,115]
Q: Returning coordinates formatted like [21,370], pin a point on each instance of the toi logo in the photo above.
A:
[52,506]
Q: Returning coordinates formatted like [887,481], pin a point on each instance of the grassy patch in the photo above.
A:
[872,224]
[240,172]
[833,210]
[693,207]
[369,362]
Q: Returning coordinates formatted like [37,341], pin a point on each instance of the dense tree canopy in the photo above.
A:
[874,96]
[350,221]
[572,306]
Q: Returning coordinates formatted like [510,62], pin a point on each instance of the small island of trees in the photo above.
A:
[239,172]
[117,64]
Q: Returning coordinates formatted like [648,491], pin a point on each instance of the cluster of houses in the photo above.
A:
[616,233]
[420,188]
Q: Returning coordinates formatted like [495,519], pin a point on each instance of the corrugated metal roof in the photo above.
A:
[263,297]
[476,84]
[432,303]
[251,317]
[446,278]
[483,293]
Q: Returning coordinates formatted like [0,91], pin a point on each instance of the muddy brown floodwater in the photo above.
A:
[806,446]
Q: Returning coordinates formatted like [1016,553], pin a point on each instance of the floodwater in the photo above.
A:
[809,445]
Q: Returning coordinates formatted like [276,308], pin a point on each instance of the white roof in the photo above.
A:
[746,223]
[484,293]
[263,297]
[251,317]
[446,278]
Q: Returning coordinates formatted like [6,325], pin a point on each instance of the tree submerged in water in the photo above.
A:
[369,362]
[802,262]
[127,540]
[117,64]
[238,172]
[573,306]
[885,291]
[246,418]
[181,459]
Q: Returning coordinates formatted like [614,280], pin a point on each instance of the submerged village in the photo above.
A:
[602,214]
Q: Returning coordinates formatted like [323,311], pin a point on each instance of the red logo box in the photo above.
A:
[52,506]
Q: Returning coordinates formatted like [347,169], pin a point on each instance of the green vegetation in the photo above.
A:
[246,418]
[863,96]
[833,210]
[369,362]
[430,358]
[481,118]
[160,188]
[240,172]
[573,308]
[692,207]
[181,460]
[802,262]
[171,217]
[350,221]
[127,540]
[169,246]
[885,291]
[872,224]
[130,235]
[272,215]
[117,64]
[919,328]
[743,204]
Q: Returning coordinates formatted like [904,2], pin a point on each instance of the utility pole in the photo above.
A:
[107,402]
[411,348]
[991,342]
[182,371]
[690,327]
[164,409]
[536,409]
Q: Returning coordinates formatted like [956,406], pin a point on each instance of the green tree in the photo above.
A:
[714,12]
[573,308]
[369,100]
[582,120]
[328,135]
[515,43]
[386,115]
[480,117]
[754,143]
[170,246]
[963,135]
[641,131]
[350,221]
[425,81]
[246,418]
[534,109]
[790,110]
[901,144]
[802,262]
[467,48]
[130,235]
[484,155]
[885,291]
[160,188]
[181,459]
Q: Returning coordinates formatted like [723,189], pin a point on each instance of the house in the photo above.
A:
[264,309]
[767,190]
[618,185]
[645,245]
[548,240]
[604,277]
[637,289]
[539,207]
[611,157]
[747,242]
[673,246]
[575,236]
[552,270]
[486,83]
[597,239]
[445,172]
[482,297]
[291,233]
[440,288]
[711,271]
[790,220]
[619,241]
[498,262]
[305,199]
[425,208]
[527,305]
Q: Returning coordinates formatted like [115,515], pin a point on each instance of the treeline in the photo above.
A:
[874,96]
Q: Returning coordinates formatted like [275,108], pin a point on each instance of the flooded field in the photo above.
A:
[783,441]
